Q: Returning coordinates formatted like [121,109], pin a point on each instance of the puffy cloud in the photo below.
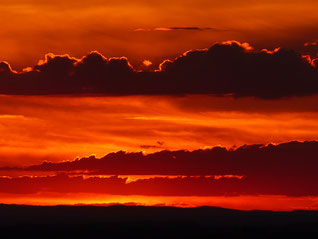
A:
[225,68]
[233,68]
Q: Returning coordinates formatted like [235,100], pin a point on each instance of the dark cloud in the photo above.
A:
[159,186]
[149,146]
[225,68]
[244,160]
[158,146]
[60,183]
[193,28]
[287,169]
[5,68]
[180,28]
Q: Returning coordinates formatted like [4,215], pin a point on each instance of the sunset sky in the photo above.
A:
[151,30]
[183,103]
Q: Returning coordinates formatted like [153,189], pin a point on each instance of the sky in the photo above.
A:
[180,103]
[143,30]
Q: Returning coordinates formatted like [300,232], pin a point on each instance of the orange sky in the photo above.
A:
[59,128]
[56,128]
[32,28]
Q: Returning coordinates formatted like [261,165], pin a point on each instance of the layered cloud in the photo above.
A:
[225,68]
[286,169]
[178,28]
[156,186]
[285,158]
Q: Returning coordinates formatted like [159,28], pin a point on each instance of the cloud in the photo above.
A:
[163,185]
[284,169]
[5,68]
[159,186]
[214,161]
[148,146]
[228,68]
[177,28]
[193,28]
[59,183]
[158,146]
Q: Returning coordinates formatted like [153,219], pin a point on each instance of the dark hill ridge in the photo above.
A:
[153,222]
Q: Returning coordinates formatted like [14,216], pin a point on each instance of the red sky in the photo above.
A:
[192,75]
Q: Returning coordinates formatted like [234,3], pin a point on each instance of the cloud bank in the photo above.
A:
[286,169]
[225,68]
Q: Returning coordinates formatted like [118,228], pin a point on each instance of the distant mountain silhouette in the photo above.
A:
[153,222]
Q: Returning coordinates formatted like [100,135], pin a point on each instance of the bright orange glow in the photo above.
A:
[271,202]
[147,63]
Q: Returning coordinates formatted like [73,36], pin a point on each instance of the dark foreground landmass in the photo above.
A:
[153,222]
